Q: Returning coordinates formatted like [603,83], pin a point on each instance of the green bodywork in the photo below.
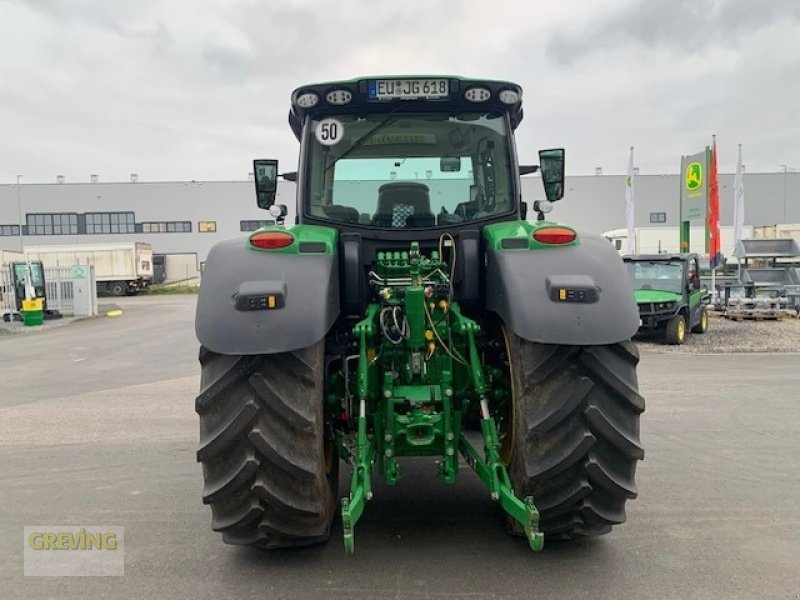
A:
[417,371]
[650,296]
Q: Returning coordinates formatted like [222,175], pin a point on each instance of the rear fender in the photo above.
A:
[576,294]
[234,315]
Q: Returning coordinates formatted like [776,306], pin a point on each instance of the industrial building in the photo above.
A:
[182,220]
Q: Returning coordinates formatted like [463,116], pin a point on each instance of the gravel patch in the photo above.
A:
[729,337]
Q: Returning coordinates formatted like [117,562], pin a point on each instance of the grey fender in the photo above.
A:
[231,319]
[523,288]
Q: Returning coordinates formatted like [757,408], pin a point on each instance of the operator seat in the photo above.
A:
[404,204]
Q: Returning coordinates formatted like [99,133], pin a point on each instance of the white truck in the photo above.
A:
[666,240]
[120,269]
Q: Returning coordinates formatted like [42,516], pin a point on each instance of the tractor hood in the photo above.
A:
[649,296]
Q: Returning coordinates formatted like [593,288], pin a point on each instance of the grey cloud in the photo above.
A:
[115,16]
[183,89]
[677,25]
[230,64]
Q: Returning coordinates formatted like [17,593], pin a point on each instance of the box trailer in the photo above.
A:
[120,269]
[666,240]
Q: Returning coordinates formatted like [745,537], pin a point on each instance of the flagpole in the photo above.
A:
[738,209]
[630,200]
[713,260]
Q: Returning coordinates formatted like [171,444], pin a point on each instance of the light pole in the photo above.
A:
[785,174]
[19,214]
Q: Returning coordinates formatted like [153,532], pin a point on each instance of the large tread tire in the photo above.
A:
[576,433]
[263,448]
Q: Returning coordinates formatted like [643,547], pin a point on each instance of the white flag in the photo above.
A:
[738,201]
[629,203]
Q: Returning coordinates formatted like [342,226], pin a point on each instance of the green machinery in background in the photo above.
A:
[671,298]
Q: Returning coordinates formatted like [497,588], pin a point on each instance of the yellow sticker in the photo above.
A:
[271,301]
[562,294]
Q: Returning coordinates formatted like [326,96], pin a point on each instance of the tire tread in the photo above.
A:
[261,448]
[578,412]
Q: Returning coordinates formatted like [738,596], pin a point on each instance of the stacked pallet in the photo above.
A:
[756,309]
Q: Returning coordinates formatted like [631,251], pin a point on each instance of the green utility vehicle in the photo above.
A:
[409,298]
[669,293]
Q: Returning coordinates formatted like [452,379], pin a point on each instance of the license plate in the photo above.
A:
[408,89]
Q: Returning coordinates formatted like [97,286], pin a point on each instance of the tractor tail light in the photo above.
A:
[271,240]
[554,235]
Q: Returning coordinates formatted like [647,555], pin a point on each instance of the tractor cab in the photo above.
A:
[384,156]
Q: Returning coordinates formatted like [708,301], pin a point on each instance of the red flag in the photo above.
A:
[712,220]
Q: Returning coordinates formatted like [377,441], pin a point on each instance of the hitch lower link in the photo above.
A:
[491,471]
[494,475]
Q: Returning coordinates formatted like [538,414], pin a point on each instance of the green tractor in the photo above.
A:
[669,293]
[409,303]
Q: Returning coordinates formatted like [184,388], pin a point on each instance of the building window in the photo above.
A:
[52,224]
[167,227]
[9,229]
[207,226]
[253,225]
[115,222]
[658,217]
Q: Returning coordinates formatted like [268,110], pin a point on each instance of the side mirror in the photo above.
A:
[551,165]
[266,178]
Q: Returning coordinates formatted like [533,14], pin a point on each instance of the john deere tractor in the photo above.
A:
[411,310]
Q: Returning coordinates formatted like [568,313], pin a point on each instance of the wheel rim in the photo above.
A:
[681,329]
[329,453]
[704,321]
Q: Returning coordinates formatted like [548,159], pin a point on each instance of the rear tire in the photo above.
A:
[576,434]
[117,288]
[270,477]
[675,332]
[702,324]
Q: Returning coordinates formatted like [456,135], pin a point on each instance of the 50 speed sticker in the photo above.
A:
[329,132]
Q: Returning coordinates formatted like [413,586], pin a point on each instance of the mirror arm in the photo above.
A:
[527,169]
[289,175]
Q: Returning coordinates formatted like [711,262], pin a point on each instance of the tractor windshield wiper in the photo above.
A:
[360,141]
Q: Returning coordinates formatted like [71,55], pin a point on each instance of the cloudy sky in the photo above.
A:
[195,89]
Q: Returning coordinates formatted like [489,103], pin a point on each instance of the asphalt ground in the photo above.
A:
[97,427]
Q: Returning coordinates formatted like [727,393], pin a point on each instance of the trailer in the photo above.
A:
[120,268]
[666,240]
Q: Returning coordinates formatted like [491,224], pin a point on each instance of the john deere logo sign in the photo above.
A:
[695,187]
[694,176]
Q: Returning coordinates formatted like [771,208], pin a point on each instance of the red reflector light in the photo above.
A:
[554,235]
[271,240]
